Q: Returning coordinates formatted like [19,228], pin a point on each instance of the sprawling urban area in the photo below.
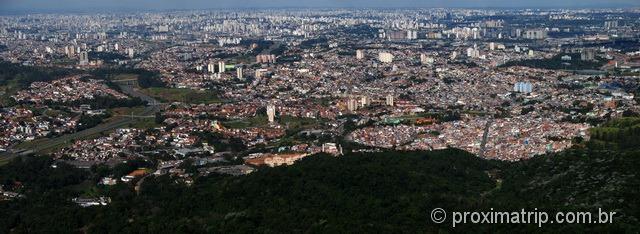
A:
[191,94]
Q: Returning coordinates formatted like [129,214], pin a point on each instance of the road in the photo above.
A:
[485,137]
[118,122]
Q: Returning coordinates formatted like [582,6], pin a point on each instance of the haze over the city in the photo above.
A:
[102,5]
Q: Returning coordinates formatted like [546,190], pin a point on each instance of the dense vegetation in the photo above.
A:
[25,75]
[388,192]
[146,78]
[103,102]
[622,133]
[89,121]
[109,57]
[183,95]
[556,63]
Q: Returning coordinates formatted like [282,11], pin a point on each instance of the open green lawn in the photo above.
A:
[298,122]
[124,77]
[256,121]
[145,123]
[182,95]
[115,112]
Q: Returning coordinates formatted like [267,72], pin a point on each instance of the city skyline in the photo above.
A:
[13,6]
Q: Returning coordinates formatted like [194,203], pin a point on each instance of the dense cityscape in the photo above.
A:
[196,93]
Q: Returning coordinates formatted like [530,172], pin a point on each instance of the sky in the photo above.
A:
[105,5]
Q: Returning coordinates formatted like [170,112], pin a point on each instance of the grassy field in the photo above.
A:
[256,121]
[126,111]
[298,122]
[182,95]
[124,77]
[145,123]
[142,123]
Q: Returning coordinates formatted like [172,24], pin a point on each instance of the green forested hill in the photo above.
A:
[386,192]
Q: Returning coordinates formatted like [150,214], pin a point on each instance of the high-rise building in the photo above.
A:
[412,35]
[492,46]
[221,67]
[385,57]
[523,87]
[535,34]
[239,71]
[211,68]
[492,24]
[389,100]
[365,101]
[70,51]
[359,54]
[588,54]
[260,72]
[473,52]
[271,113]
[352,104]
[130,52]
[265,58]
[425,59]
[84,58]
[611,24]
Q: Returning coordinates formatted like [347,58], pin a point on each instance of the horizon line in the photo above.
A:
[148,10]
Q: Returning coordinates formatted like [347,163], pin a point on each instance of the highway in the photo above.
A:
[117,122]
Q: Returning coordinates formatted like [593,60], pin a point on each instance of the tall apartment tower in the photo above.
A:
[271,113]
[221,68]
[239,73]
[359,54]
[389,100]
[84,58]
[352,104]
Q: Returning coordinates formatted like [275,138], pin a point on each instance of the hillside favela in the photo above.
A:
[315,116]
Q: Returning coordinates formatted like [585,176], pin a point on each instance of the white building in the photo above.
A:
[359,54]
[239,71]
[271,113]
[385,57]
[84,58]
[221,67]
[389,100]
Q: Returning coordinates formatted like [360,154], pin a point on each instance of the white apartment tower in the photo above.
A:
[389,100]
[221,68]
[271,113]
[385,57]
[359,54]
[84,58]
[239,72]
